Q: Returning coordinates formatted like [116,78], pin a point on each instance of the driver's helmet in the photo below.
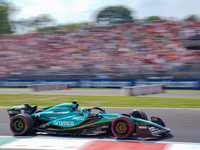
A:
[84,110]
[74,101]
[75,104]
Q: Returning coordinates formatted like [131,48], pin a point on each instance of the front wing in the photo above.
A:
[142,129]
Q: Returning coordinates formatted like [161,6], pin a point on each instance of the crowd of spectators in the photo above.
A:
[126,48]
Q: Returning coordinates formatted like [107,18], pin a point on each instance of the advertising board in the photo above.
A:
[108,83]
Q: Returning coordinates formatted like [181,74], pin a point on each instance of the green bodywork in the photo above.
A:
[67,115]
[68,119]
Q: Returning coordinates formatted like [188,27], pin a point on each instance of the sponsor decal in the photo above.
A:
[37,115]
[48,117]
[63,123]
[80,119]
[142,127]
[154,119]
[53,117]
[105,126]
[62,107]
[104,84]
[44,125]
[110,118]
[169,83]
[99,132]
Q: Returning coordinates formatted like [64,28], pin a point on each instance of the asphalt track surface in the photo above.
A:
[181,94]
[184,123]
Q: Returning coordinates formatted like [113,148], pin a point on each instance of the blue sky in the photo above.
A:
[75,11]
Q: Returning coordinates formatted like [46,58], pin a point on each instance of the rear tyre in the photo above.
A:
[21,124]
[123,127]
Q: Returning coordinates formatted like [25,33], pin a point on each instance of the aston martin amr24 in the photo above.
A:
[69,119]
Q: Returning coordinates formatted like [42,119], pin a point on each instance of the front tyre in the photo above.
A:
[21,124]
[123,127]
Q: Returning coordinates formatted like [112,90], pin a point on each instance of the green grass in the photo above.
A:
[102,101]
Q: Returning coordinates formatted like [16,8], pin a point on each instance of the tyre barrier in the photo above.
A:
[142,90]
[49,87]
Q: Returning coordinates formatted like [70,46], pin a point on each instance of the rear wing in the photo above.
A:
[19,109]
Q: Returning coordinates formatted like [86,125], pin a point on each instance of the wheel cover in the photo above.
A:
[121,127]
[18,125]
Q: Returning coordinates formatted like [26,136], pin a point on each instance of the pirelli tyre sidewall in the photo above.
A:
[123,127]
[21,124]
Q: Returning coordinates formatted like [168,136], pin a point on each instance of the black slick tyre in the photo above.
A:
[21,124]
[123,127]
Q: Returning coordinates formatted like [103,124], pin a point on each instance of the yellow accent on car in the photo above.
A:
[141,114]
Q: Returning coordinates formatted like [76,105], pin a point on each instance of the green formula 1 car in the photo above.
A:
[68,119]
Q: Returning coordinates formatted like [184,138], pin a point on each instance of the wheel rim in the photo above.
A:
[121,127]
[18,125]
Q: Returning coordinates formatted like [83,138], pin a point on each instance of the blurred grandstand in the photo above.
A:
[131,50]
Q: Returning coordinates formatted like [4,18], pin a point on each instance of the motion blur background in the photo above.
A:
[116,41]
